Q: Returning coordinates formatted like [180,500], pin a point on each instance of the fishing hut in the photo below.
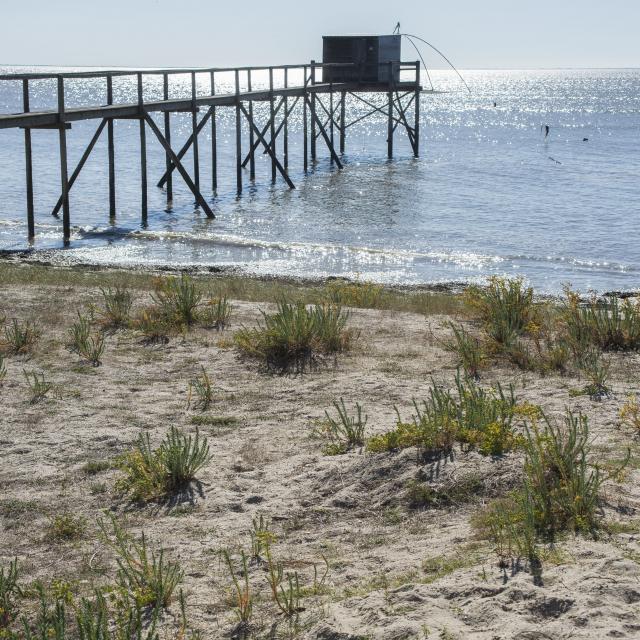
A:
[355,66]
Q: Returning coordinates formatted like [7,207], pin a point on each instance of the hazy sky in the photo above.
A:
[473,33]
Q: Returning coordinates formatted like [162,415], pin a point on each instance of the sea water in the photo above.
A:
[489,194]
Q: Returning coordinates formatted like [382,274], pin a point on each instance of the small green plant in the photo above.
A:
[505,307]
[21,338]
[243,598]
[630,413]
[9,593]
[285,588]
[432,428]
[365,295]
[87,346]
[203,391]
[154,473]
[38,386]
[178,299]
[295,335]
[66,527]
[484,418]
[597,370]
[347,431]
[3,370]
[142,573]
[261,536]
[608,325]
[153,325]
[117,307]
[94,467]
[216,313]
[468,349]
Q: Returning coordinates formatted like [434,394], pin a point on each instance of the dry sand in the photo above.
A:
[393,573]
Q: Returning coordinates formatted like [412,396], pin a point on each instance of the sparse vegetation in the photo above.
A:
[3,370]
[66,527]
[346,432]
[142,572]
[216,313]
[203,390]
[353,293]
[178,299]
[468,348]
[117,303]
[153,325]
[243,598]
[39,387]
[630,413]
[154,473]
[294,336]
[21,337]
[9,593]
[505,307]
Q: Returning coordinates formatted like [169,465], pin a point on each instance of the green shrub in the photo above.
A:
[216,313]
[153,325]
[87,346]
[38,386]
[143,574]
[154,473]
[432,428]
[597,370]
[9,593]
[178,299]
[243,598]
[66,527]
[347,431]
[293,336]
[505,307]
[468,349]
[609,325]
[117,307]
[365,295]
[21,338]
[484,418]
[561,487]
[203,390]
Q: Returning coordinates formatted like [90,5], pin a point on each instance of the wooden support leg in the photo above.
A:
[143,155]
[78,169]
[256,144]
[331,134]
[194,128]
[64,176]
[214,143]
[416,126]
[176,161]
[167,135]
[269,149]
[305,126]
[272,127]
[285,139]
[31,225]
[390,127]
[111,154]
[343,130]
[252,146]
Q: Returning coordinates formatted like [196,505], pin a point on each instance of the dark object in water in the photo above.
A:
[546,128]
[554,160]
[585,139]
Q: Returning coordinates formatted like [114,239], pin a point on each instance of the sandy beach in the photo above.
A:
[372,564]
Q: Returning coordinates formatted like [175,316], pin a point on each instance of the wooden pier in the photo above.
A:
[324,115]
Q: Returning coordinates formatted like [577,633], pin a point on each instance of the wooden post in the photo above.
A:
[390,115]
[238,137]
[252,158]
[313,113]
[31,226]
[272,127]
[331,136]
[111,154]
[285,133]
[143,151]
[214,144]
[416,126]
[194,127]
[64,177]
[343,130]
[305,132]
[167,135]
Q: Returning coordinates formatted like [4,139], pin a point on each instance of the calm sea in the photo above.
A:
[489,194]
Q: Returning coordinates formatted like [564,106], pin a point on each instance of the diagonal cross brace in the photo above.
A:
[256,143]
[268,148]
[78,169]
[314,117]
[178,165]
[185,147]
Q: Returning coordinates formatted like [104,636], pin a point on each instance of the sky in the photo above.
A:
[474,34]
